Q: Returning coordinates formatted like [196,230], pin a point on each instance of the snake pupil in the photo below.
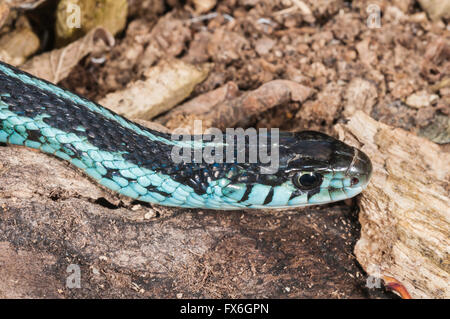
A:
[307,180]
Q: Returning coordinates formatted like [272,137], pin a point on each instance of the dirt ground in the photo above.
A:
[398,72]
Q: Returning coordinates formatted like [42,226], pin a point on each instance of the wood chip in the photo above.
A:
[18,45]
[232,112]
[166,85]
[360,95]
[183,114]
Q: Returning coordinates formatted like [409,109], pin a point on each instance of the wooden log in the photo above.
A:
[53,217]
[405,211]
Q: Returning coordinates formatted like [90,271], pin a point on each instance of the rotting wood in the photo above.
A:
[405,211]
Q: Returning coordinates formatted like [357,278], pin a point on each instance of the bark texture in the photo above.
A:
[405,211]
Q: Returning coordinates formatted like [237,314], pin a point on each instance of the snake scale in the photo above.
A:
[135,161]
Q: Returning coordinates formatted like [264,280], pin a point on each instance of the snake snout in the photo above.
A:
[360,170]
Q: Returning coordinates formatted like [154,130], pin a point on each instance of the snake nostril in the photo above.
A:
[354,181]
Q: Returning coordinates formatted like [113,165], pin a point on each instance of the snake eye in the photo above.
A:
[307,181]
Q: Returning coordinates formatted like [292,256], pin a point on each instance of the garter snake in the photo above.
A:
[135,161]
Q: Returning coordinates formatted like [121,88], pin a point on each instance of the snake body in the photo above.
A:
[135,161]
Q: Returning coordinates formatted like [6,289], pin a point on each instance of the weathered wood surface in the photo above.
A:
[405,211]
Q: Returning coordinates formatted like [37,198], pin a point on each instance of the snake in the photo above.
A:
[137,162]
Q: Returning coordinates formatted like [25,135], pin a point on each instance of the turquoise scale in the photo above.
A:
[258,194]
[235,191]
[322,197]
[281,195]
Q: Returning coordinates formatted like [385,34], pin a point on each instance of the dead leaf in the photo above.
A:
[55,65]
[436,9]
[75,18]
[19,44]
[4,13]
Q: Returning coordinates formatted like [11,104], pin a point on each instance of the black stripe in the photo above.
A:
[246,194]
[269,197]
[313,192]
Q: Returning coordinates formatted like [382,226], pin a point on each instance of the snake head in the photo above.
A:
[314,168]
[321,169]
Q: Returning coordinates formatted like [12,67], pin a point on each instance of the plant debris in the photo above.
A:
[165,85]
[56,65]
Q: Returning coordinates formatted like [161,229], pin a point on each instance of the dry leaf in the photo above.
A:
[4,13]
[436,9]
[109,14]
[56,65]
[19,44]
[167,84]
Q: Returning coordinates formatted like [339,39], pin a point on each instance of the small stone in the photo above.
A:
[136,207]
[278,53]
[350,55]
[421,99]
[179,295]
[264,45]
[150,214]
